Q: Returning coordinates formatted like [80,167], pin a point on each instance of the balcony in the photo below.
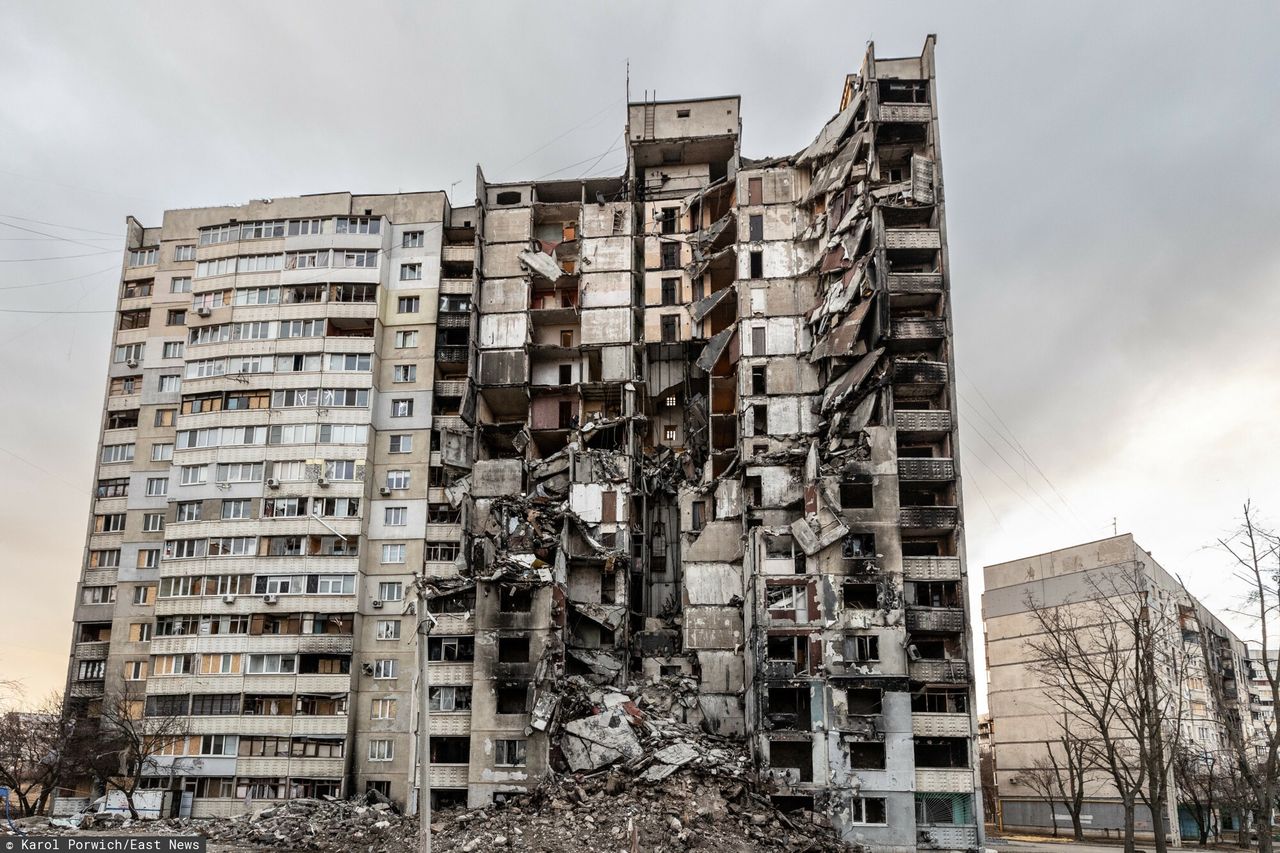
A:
[458,253]
[917,469]
[920,372]
[453,320]
[456,286]
[944,780]
[92,651]
[919,330]
[911,113]
[922,420]
[912,238]
[291,766]
[949,619]
[941,725]
[453,355]
[931,517]
[915,283]
[448,422]
[931,568]
[953,671]
[450,388]
[946,836]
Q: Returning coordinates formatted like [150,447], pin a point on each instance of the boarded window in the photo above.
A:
[755,191]
[757,340]
[608,507]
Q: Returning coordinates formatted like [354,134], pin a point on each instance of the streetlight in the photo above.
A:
[425,623]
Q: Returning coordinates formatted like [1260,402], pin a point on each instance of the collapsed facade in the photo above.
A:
[690,426]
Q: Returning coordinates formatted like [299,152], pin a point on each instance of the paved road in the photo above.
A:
[996,844]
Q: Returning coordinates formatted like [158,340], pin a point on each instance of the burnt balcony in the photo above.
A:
[451,355]
[453,320]
[923,372]
[931,568]
[937,619]
[905,113]
[923,469]
[922,420]
[952,671]
[912,238]
[932,517]
[915,283]
[919,329]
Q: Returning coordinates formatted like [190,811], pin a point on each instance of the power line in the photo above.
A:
[56,311]
[561,136]
[50,236]
[56,281]
[1006,483]
[61,225]
[57,258]
[579,163]
[615,141]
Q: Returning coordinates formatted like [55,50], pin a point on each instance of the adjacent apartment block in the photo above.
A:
[689,426]
[1212,689]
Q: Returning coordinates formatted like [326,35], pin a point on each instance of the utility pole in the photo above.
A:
[425,623]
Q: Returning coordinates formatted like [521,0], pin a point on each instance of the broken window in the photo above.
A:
[904,91]
[857,493]
[670,218]
[451,648]
[921,548]
[861,596]
[564,414]
[863,701]
[866,755]
[862,648]
[860,550]
[507,197]
[463,601]
[935,594]
[670,256]
[513,649]
[940,700]
[515,599]
[792,755]
[755,191]
[942,752]
[760,419]
[669,328]
[758,382]
[512,698]
[789,707]
[566,374]
[670,287]
[757,265]
[944,808]
[755,226]
[566,338]
[448,698]
[450,750]
[757,340]
[699,515]
[868,810]
[785,597]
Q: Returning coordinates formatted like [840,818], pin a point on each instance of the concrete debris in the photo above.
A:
[598,741]
[543,264]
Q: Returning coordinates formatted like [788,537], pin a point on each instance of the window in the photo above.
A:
[412,240]
[134,289]
[513,649]
[340,469]
[175,317]
[509,753]
[135,670]
[238,508]
[129,352]
[862,648]
[184,253]
[757,264]
[384,668]
[184,549]
[173,349]
[404,373]
[670,256]
[670,287]
[193,475]
[105,559]
[116,487]
[91,670]
[406,340]
[396,516]
[113,523]
[398,479]
[410,272]
[124,385]
[113,453]
[451,648]
[170,384]
[868,810]
[393,553]
[670,219]
[127,419]
[157,487]
[390,591]
[272,664]
[402,408]
[355,260]
[670,328]
[359,225]
[755,226]
[448,698]
[303,227]
[383,709]
[307,261]
[388,629]
[164,417]
[143,595]
[408,305]
[400,443]
[180,284]
[381,750]
[152,522]
[669,433]
[142,257]
[98,594]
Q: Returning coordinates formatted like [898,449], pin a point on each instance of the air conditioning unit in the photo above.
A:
[322,482]
[133,362]
[203,311]
[228,599]
[384,491]
[273,483]
[377,604]
[270,599]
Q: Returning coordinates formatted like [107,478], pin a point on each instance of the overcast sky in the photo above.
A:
[1111,178]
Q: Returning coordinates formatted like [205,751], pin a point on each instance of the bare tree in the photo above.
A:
[1114,665]
[35,753]
[1042,777]
[1072,772]
[130,742]
[1197,778]
[1255,750]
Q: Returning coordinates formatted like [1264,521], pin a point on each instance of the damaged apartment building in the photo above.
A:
[688,426]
